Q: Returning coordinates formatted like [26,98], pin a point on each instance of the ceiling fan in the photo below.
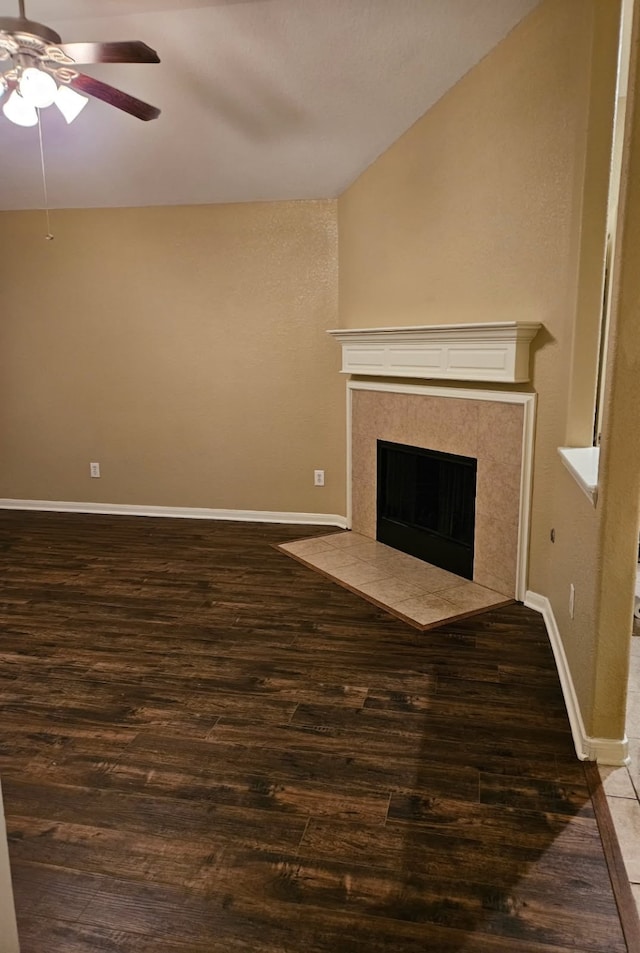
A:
[37,61]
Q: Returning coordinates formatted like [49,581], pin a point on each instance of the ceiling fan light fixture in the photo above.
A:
[70,103]
[19,111]
[34,61]
[37,88]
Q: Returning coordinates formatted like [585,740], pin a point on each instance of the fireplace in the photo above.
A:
[426,504]
[494,428]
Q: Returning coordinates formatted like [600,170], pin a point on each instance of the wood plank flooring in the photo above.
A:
[206,747]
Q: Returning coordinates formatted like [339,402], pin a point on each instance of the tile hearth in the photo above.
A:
[417,592]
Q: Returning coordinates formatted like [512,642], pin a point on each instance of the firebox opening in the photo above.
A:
[426,504]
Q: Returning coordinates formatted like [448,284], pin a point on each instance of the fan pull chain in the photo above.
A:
[49,237]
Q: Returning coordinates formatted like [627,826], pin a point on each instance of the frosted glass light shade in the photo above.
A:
[70,103]
[19,111]
[37,88]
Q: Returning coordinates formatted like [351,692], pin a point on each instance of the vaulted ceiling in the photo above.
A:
[261,99]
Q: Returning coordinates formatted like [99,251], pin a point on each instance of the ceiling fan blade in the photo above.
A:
[115,97]
[133,51]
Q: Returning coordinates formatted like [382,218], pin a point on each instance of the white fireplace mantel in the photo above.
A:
[496,351]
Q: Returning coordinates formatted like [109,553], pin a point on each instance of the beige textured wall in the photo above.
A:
[493,207]
[183,348]
[471,215]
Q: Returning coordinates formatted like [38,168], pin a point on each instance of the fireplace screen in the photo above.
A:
[426,505]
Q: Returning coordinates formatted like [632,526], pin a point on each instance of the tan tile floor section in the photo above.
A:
[417,592]
[622,785]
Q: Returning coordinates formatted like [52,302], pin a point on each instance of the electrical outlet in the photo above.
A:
[572,599]
[318,477]
[94,469]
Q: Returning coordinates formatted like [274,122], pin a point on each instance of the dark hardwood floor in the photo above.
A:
[206,747]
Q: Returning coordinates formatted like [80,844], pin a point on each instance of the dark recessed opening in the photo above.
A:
[426,504]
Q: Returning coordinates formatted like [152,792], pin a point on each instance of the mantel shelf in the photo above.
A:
[496,351]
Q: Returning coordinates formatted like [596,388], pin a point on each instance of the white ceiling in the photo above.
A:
[261,99]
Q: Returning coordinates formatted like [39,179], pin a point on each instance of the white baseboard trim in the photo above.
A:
[603,750]
[177,512]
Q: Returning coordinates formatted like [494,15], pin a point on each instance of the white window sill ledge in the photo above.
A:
[582,464]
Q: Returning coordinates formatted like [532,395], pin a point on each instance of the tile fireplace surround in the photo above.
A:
[493,427]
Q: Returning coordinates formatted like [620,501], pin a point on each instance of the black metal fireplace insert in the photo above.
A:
[426,504]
